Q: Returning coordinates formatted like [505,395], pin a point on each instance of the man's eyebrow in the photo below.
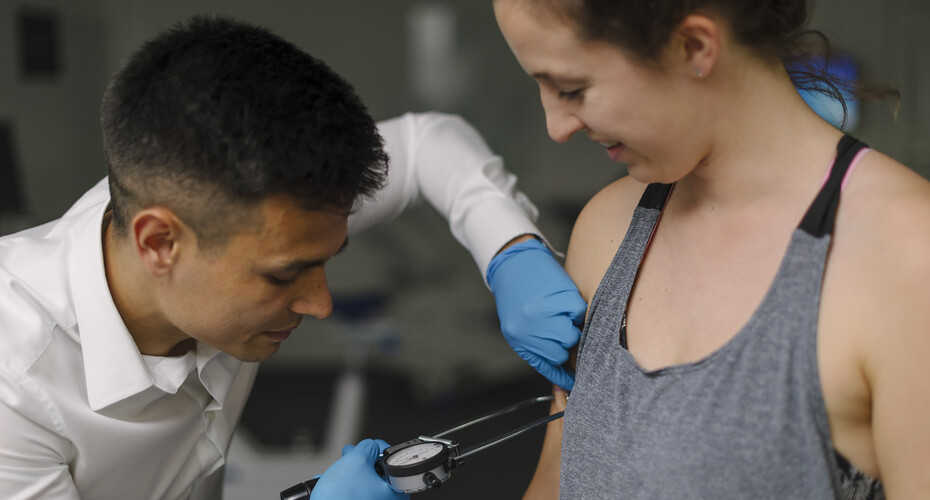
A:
[555,79]
[304,264]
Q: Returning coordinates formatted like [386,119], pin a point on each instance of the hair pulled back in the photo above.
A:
[773,29]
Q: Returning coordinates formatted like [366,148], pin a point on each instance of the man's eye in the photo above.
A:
[279,281]
[569,95]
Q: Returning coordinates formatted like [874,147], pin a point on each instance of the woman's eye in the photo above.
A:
[569,95]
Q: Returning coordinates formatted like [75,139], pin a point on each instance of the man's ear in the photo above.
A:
[697,45]
[157,236]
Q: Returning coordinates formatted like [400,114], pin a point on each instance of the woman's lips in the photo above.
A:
[614,150]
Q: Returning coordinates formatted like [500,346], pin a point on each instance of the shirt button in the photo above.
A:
[211,415]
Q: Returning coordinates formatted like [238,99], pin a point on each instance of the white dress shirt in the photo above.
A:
[443,159]
[84,415]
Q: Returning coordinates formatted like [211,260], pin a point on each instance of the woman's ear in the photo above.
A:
[697,45]
[157,233]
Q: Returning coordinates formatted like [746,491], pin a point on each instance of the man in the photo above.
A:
[131,328]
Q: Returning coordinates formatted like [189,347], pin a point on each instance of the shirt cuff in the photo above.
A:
[492,224]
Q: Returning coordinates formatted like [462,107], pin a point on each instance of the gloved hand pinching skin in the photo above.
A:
[539,307]
[353,476]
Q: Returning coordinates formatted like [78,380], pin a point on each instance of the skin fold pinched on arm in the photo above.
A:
[594,240]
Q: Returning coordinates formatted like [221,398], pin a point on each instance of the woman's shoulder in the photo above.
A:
[615,201]
[881,249]
[598,231]
[887,202]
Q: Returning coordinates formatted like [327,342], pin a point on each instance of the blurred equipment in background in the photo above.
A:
[844,72]
[438,73]
[39,41]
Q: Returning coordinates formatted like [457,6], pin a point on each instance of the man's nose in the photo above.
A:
[313,297]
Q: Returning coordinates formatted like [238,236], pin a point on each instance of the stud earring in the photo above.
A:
[698,73]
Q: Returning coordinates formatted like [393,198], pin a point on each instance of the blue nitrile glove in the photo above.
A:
[539,307]
[353,476]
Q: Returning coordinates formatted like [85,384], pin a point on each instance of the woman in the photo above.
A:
[750,334]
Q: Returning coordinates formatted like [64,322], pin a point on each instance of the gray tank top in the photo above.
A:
[747,421]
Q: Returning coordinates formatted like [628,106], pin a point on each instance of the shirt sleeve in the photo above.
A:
[33,462]
[442,159]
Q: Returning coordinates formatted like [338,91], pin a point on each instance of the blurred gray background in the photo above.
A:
[414,345]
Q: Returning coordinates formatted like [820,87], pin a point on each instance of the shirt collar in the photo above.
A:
[217,371]
[113,365]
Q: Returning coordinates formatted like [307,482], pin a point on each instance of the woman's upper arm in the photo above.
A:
[898,370]
[886,275]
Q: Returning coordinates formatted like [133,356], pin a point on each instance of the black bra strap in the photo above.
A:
[655,196]
[820,217]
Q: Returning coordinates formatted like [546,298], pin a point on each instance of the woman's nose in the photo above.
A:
[561,122]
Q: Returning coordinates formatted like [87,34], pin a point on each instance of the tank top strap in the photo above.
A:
[821,215]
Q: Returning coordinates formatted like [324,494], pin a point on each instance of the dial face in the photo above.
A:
[414,454]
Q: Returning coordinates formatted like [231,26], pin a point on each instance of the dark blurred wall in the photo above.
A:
[52,112]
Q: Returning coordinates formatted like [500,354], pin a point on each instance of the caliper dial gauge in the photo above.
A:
[415,454]
[417,465]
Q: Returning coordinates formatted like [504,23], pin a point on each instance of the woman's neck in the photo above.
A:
[766,142]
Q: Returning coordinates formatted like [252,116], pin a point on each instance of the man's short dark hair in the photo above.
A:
[214,115]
